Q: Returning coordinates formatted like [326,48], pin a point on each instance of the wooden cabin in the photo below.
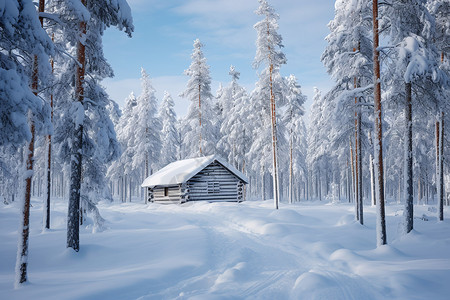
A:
[208,178]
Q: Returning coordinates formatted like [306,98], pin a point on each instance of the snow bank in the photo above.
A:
[229,251]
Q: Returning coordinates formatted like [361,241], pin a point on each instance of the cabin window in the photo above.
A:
[166,191]
[213,187]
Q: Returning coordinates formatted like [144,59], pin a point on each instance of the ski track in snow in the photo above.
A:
[229,251]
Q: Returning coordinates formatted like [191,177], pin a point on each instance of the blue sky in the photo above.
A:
[165,31]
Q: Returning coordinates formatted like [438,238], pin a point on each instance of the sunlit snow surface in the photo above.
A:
[229,251]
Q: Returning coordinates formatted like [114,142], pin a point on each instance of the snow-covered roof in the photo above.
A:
[181,171]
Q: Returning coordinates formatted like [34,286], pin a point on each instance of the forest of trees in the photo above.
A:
[380,133]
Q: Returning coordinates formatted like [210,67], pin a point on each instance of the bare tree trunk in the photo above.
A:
[22,249]
[120,184]
[319,185]
[274,143]
[381,219]
[354,185]
[130,189]
[49,161]
[290,170]
[73,216]
[409,193]
[146,175]
[441,169]
[437,157]
[200,119]
[358,160]
[372,181]
[419,189]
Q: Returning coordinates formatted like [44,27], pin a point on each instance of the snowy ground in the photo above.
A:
[230,251]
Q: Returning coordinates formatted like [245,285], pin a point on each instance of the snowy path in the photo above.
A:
[229,251]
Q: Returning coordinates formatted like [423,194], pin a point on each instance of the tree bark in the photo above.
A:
[408,190]
[372,181]
[22,249]
[358,162]
[441,169]
[200,120]
[291,175]
[274,143]
[73,217]
[49,161]
[355,198]
[381,219]
[358,159]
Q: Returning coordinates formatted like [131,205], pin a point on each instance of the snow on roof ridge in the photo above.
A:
[182,170]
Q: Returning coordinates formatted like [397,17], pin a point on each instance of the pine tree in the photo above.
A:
[440,11]
[228,99]
[415,64]
[293,119]
[348,58]
[24,43]
[147,130]
[268,53]
[169,131]
[378,144]
[200,134]
[122,168]
[317,144]
[235,128]
[83,24]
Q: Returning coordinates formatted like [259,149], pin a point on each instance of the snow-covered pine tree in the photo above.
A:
[199,136]
[293,120]
[147,130]
[24,44]
[169,132]
[122,168]
[221,101]
[414,68]
[378,139]
[269,86]
[82,24]
[348,58]
[235,129]
[440,10]
[114,113]
[228,100]
[317,144]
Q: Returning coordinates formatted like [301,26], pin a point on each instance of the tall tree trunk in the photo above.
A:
[200,120]
[408,189]
[22,249]
[263,185]
[130,189]
[354,185]
[319,186]
[358,159]
[372,181]
[291,177]
[437,158]
[419,189]
[274,131]
[441,169]
[381,219]
[358,164]
[359,168]
[49,160]
[274,143]
[73,216]
[347,191]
